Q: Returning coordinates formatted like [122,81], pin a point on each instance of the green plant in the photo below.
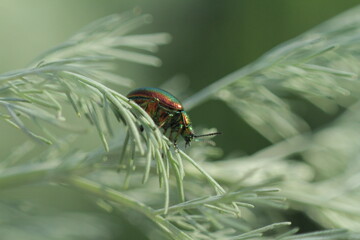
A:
[163,192]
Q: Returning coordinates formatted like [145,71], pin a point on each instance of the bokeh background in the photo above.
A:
[210,39]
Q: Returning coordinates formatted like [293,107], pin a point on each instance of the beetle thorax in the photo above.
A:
[187,131]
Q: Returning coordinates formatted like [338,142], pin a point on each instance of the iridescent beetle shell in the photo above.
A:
[166,111]
[164,98]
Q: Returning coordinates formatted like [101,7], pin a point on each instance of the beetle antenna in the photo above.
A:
[207,135]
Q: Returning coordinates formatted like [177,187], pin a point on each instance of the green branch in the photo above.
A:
[109,194]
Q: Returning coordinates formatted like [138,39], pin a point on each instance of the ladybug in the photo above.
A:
[167,112]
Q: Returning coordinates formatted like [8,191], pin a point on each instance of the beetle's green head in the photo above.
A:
[188,134]
[187,131]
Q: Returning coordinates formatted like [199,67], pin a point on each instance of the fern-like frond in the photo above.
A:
[73,73]
[320,66]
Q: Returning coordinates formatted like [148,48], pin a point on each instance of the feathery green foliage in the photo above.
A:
[161,191]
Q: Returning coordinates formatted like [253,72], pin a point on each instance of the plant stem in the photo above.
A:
[210,90]
[19,176]
[107,193]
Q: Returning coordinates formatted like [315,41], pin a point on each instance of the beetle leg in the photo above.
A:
[151,106]
[173,140]
[178,132]
[164,120]
[170,136]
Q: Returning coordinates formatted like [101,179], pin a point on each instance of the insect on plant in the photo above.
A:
[167,112]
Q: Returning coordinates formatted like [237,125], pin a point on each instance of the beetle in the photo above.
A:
[167,112]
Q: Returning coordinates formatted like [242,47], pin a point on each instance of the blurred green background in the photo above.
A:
[210,39]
